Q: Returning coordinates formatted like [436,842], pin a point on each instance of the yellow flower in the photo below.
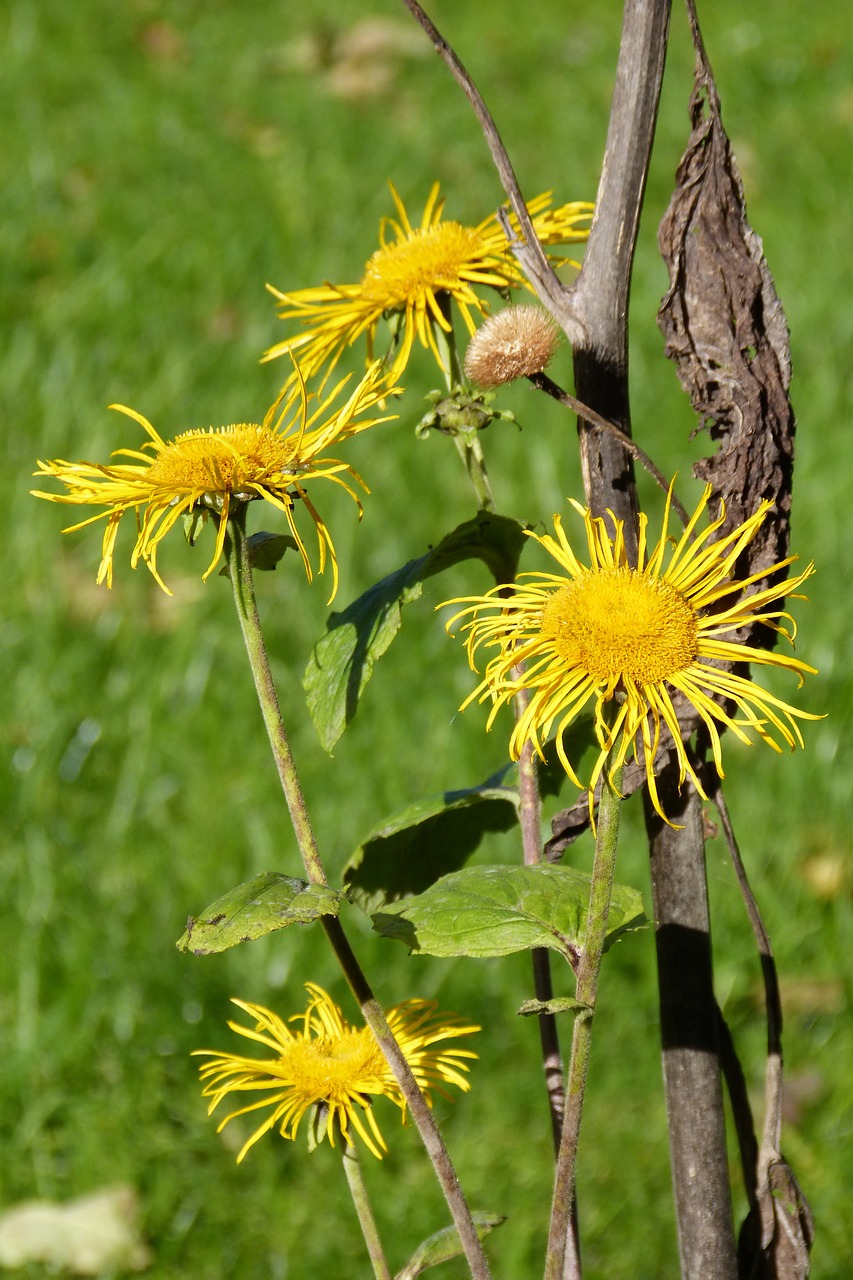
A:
[410,278]
[210,470]
[333,1067]
[604,631]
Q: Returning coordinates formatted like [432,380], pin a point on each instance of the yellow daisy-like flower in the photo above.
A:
[333,1067]
[603,631]
[412,274]
[211,470]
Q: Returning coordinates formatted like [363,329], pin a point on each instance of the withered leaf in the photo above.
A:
[726,331]
[725,328]
[777,1237]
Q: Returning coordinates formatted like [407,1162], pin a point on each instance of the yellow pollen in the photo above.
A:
[221,461]
[430,259]
[345,1062]
[619,623]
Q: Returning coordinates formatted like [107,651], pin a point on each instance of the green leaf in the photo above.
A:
[318,1125]
[271,901]
[343,658]
[492,911]
[193,521]
[266,549]
[408,852]
[496,540]
[561,1004]
[342,661]
[445,1245]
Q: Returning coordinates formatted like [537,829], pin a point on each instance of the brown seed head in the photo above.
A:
[513,343]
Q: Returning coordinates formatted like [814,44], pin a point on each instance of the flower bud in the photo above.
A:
[514,343]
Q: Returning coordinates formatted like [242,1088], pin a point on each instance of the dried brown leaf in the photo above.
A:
[725,329]
[776,1241]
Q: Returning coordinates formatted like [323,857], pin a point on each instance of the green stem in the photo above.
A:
[454,374]
[540,958]
[361,1200]
[471,452]
[531,843]
[587,986]
[240,568]
[425,1123]
[467,442]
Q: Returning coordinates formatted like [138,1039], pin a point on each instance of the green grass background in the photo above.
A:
[160,162]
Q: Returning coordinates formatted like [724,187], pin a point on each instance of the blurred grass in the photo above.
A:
[161,161]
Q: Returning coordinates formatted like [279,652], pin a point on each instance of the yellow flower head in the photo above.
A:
[602,631]
[412,275]
[333,1067]
[210,470]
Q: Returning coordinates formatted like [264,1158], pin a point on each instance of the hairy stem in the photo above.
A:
[242,581]
[240,568]
[531,842]
[367,1222]
[559,1263]
[467,441]
[549,1036]
[474,460]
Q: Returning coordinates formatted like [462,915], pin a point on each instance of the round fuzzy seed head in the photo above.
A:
[514,343]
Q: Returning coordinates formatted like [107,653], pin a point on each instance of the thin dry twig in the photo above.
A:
[544,383]
[779,1232]
[553,294]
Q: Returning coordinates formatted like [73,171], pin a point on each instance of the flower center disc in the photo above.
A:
[324,1065]
[618,623]
[431,259]
[222,460]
